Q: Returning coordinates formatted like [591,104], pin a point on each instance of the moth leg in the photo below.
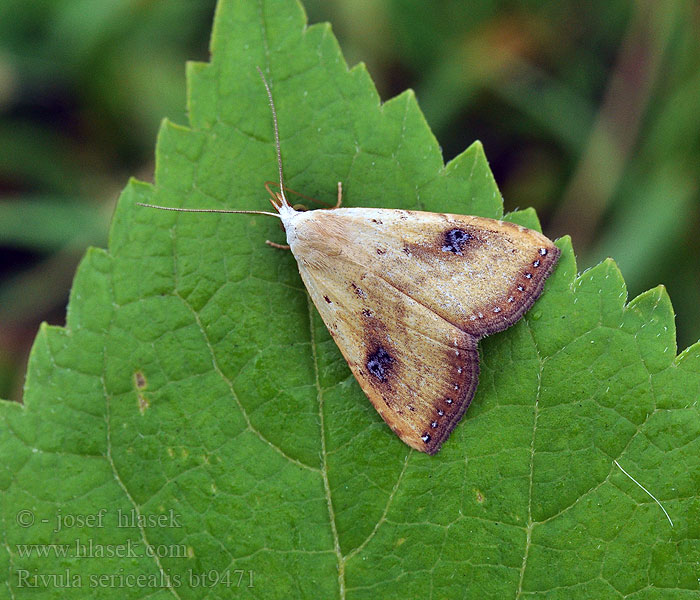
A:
[276,245]
[340,195]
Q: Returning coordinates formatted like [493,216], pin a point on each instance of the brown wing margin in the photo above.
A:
[519,299]
[461,402]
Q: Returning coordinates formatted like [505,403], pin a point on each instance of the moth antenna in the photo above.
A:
[210,210]
[277,139]
[276,197]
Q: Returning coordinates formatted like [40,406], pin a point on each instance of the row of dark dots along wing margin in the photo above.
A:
[434,424]
[536,264]
[520,287]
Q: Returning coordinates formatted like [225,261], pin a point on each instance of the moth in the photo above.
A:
[406,295]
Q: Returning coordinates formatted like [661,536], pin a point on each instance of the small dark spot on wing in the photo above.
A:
[359,291]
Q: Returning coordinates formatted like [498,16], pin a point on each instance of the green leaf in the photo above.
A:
[194,382]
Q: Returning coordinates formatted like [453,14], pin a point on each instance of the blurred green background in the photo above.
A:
[590,112]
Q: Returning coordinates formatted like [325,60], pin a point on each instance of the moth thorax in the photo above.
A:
[315,236]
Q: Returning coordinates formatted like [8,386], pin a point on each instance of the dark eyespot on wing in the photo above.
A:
[455,240]
[379,364]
